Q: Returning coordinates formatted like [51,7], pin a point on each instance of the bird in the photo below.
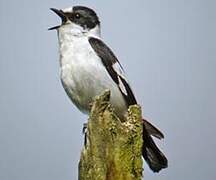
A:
[88,67]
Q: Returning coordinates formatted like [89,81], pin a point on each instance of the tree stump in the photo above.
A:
[113,148]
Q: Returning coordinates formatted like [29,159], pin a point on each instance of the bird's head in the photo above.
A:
[77,19]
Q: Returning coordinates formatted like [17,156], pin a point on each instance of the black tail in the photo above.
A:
[153,156]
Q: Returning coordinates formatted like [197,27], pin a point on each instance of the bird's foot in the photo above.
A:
[84,129]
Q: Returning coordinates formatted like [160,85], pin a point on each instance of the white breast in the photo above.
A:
[83,74]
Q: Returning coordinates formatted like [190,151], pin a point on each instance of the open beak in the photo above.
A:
[61,14]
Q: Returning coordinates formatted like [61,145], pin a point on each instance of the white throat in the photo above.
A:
[72,38]
[72,30]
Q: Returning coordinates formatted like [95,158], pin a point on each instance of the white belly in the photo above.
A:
[84,76]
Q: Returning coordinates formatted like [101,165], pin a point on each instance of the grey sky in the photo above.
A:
[168,51]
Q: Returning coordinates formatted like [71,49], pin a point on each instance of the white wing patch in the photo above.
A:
[117,67]
[122,87]
[119,70]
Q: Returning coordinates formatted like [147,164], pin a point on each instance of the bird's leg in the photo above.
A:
[84,129]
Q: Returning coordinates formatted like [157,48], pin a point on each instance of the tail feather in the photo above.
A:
[152,130]
[151,153]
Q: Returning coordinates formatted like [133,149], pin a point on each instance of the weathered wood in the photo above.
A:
[113,148]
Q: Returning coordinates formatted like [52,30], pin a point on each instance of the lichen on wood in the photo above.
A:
[113,149]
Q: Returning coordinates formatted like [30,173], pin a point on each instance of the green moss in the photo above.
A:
[113,149]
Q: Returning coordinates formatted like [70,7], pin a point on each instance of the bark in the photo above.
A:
[113,149]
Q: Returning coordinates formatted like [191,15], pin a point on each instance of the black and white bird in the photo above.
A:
[88,67]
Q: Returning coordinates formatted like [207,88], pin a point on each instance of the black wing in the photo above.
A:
[114,69]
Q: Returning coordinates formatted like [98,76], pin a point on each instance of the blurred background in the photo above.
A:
[166,47]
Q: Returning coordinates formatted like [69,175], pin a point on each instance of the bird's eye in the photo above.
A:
[77,16]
